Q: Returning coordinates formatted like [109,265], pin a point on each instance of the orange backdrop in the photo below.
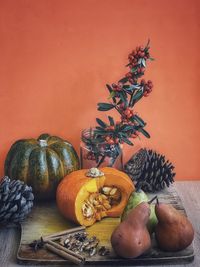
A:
[57,55]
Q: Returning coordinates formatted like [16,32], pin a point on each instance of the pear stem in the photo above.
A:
[151,200]
[157,201]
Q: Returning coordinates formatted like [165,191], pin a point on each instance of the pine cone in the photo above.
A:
[16,201]
[150,171]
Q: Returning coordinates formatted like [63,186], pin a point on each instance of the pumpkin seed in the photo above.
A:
[98,207]
[113,191]
[89,204]
[98,203]
[107,206]
[95,202]
[104,197]
[92,198]
[87,210]
[100,199]
[106,190]
[116,196]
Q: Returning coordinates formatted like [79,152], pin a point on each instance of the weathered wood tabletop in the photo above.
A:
[188,191]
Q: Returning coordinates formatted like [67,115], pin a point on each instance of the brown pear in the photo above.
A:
[131,238]
[174,231]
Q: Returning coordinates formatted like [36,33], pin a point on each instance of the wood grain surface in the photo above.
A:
[188,191]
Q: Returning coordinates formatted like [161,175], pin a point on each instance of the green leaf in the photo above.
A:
[122,134]
[112,123]
[133,70]
[98,132]
[127,141]
[105,106]
[151,58]
[145,133]
[126,86]
[119,110]
[135,86]
[123,80]
[101,123]
[123,96]
[130,89]
[126,128]
[112,94]
[136,97]
[100,128]
[139,120]
[111,90]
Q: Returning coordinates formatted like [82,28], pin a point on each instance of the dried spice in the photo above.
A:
[74,245]
[81,243]
[103,251]
[37,244]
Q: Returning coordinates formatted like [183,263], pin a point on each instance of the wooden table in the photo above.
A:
[188,191]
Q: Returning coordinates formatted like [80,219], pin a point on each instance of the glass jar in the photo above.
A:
[95,154]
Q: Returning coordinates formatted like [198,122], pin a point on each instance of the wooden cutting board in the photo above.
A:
[45,219]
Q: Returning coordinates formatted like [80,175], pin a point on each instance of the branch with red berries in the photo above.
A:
[123,97]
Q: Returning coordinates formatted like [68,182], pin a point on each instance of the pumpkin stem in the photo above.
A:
[43,143]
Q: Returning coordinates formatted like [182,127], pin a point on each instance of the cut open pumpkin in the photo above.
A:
[85,199]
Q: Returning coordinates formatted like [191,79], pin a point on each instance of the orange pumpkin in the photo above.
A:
[85,200]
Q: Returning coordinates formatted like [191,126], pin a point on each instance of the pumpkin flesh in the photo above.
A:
[91,199]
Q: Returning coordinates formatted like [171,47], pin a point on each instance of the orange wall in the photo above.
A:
[57,55]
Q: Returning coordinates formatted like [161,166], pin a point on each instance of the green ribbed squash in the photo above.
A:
[41,163]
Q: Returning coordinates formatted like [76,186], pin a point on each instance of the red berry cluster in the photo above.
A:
[131,77]
[135,134]
[127,113]
[117,87]
[111,141]
[148,86]
[110,128]
[137,70]
[139,52]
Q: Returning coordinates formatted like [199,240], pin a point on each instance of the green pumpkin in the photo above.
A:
[41,163]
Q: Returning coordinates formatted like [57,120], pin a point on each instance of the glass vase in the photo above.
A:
[93,154]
